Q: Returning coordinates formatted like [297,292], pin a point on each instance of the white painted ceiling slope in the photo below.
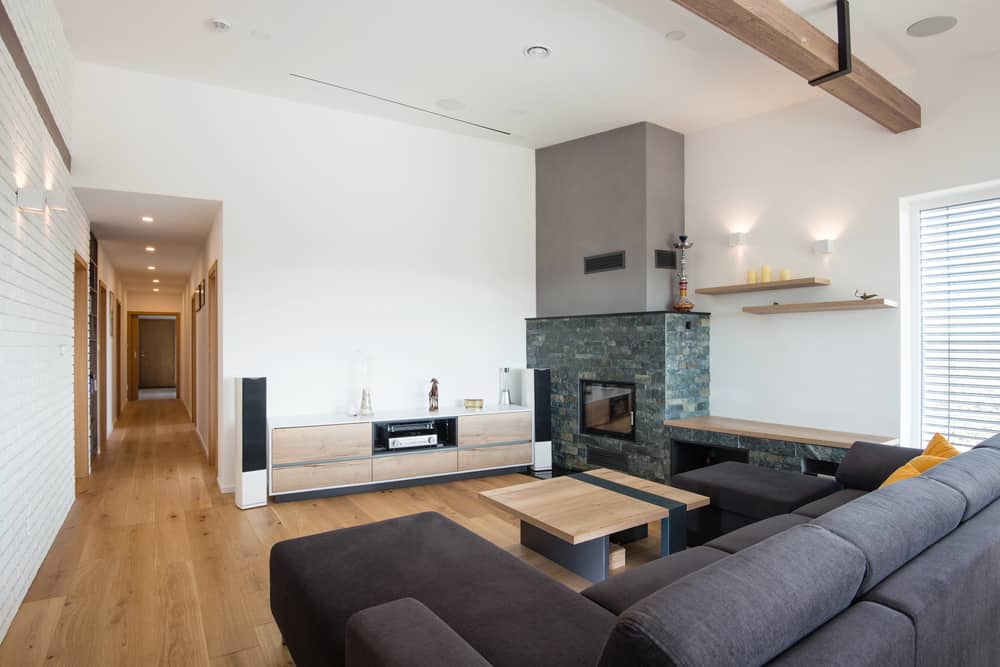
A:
[178,232]
[610,65]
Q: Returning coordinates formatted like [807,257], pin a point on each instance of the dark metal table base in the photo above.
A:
[587,559]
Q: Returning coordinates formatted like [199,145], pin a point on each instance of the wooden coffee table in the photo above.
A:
[573,519]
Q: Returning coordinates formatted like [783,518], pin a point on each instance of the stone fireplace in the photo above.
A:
[664,355]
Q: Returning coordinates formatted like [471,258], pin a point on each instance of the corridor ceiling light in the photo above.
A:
[156,280]
[676,35]
[537,51]
[151,268]
[56,201]
[156,289]
[150,248]
[147,218]
[30,200]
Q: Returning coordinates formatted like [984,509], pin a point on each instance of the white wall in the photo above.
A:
[36,312]
[822,170]
[342,232]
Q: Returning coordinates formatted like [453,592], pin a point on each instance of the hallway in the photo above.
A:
[154,566]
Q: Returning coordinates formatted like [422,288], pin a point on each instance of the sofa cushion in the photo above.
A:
[745,609]
[864,635]
[620,592]
[486,595]
[892,525]
[868,464]
[402,633]
[831,502]
[952,594]
[990,443]
[975,474]
[754,491]
[756,532]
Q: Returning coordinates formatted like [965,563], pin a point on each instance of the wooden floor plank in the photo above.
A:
[27,642]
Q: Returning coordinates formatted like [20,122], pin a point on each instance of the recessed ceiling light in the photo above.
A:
[219,25]
[150,248]
[156,280]
[156,289]
[147,218]
[449,104]
[676,35]
[151,268]
[932,25]
[537,51]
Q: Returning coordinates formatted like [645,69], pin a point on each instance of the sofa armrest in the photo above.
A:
[868,464]
[405,633]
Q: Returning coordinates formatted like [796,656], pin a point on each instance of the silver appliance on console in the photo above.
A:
[412,434]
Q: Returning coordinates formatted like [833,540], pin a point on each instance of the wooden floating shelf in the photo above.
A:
[764,287]
[821,306]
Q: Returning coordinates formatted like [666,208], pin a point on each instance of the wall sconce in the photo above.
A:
[823,247]
[30,200]
[56,201]
[737,239]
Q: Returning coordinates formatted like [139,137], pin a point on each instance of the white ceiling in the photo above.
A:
[178,232]
[610,65]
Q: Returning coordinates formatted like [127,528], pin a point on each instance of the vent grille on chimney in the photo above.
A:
[606,458]
[612,261]
[666,259]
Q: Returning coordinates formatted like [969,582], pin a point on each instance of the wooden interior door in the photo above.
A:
[194,359]
[213,366]
[118,328]
[81,415]
[157,353]
[132,350]
[103,385]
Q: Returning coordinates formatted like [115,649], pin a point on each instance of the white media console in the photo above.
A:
[331,455]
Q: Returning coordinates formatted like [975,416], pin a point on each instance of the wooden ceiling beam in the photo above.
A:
[771,27]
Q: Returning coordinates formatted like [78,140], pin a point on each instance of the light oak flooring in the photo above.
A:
[154,566]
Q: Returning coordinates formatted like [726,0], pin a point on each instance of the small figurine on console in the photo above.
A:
[433,395]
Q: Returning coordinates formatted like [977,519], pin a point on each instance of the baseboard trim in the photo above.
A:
[398,484]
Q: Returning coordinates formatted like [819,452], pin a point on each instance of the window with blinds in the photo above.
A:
[960,321]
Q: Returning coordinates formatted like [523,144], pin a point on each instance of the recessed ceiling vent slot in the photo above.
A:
[612,261]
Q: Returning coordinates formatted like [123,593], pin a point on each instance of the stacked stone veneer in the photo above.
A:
[665,354]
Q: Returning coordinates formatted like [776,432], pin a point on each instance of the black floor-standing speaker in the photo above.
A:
[251,442]
[536,393]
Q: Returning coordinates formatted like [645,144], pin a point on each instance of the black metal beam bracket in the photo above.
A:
[843,45]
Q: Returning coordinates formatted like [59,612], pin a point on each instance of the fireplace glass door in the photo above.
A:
[607,409]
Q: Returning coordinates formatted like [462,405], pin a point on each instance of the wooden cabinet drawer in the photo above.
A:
[489,429]
[320,475]
[494,457]
[320,443]
[413,465]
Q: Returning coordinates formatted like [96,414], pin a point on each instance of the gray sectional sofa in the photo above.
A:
[906,575]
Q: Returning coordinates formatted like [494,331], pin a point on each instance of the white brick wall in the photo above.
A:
[36,311]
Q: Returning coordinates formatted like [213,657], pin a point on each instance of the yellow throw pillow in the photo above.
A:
[905,471]
[921,464]
[939,446]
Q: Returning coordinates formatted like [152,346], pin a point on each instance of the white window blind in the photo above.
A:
[960,321]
